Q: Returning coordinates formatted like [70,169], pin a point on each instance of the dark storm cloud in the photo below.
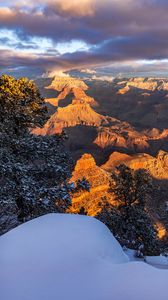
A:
[115,30]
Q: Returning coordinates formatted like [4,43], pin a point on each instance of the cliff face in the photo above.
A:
[142,102]
[158,170]
[59,83]
[99,179]
[107,130]
[122,136]
[146,84]
[157,166]
[110,134]
[77,113]
[69,87]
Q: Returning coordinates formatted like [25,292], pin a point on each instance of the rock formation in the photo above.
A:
[146,84]
[142,102]
[69,86]
[88,129]
[128,126]
[93,200]
[158,170]
[157,166]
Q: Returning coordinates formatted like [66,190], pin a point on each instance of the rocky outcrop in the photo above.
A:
[157,166]
[118,136]
[110,133]
[115,159]
[146,84]
[86,162]
[99,195]
[104,134]
[93,200]
[77,113]
[59,83]
[158,170]
[69,87]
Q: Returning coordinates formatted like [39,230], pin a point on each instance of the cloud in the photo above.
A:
[114,32]
[103,78]
[73,7]
[53,73]
[88,71]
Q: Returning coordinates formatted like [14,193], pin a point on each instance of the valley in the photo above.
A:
[99,120]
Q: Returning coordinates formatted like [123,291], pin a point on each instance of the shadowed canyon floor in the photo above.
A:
[140,101]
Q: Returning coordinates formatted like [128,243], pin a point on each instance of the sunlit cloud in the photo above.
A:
[88,71]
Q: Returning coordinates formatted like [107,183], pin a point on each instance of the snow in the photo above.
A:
[72,257]
[160,261]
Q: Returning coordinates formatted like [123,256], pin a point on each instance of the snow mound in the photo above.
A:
[72,257]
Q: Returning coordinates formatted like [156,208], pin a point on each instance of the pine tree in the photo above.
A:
[33,169]
[130,221]
[130,187]
[21,106]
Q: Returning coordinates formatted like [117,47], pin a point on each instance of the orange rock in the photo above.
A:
[99,179]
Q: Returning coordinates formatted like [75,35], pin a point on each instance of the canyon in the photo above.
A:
[93,128]
[99,119]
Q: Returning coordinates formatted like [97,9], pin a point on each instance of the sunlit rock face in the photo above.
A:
[110,133]
[146,84]
[99,195]
[69,87]
[59,83]
[157,166]
[98,137]
[158,170]
[86,162]
[77,113]
[93,200]
[88,129]
[122,136]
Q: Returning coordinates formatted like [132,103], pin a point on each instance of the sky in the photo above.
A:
[96,37]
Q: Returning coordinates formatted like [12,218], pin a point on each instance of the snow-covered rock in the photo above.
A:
[158,261]
[71,257]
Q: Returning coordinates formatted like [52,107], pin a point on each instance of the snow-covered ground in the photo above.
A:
[156,261]
[72,257]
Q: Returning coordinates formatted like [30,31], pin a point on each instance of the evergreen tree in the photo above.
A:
[21,106]
[33,169]
[130,221]
[130,187]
